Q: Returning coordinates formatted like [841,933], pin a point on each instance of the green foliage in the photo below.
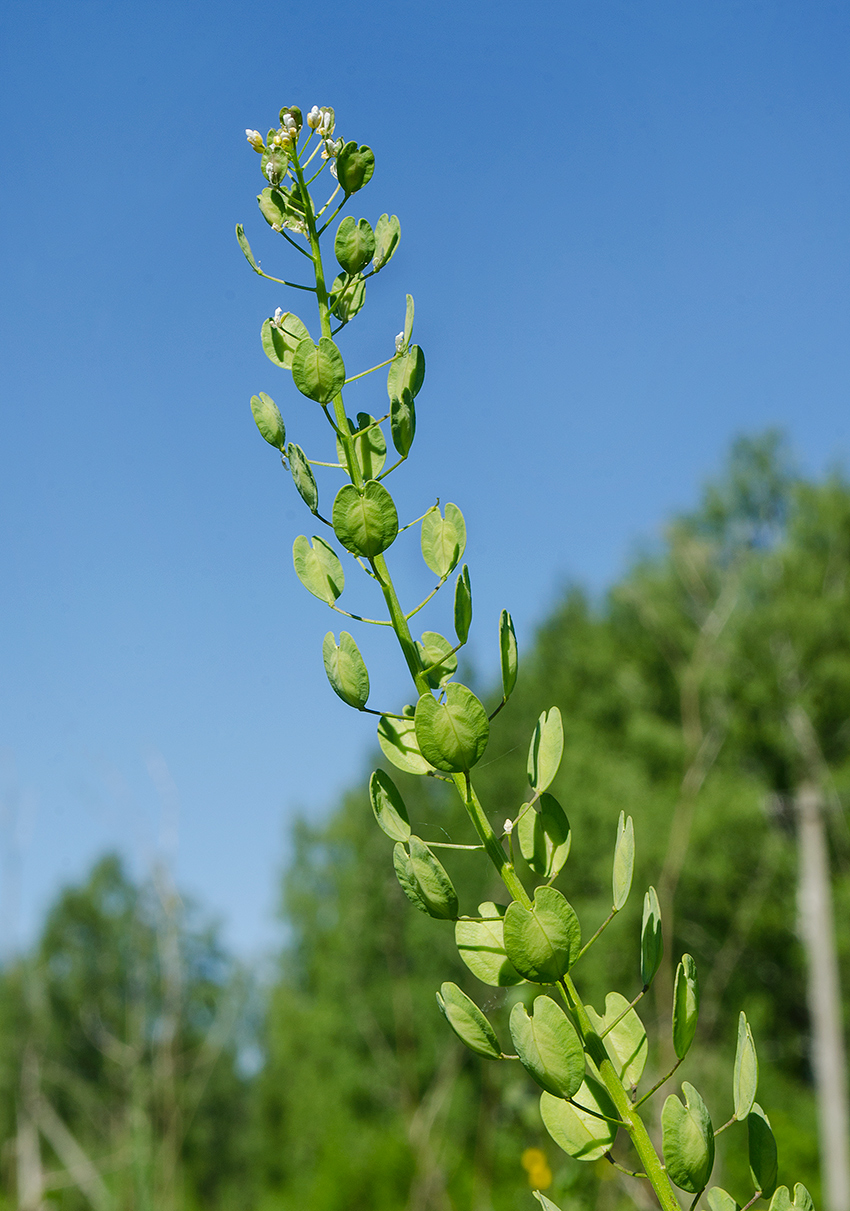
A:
[542,941]
[548,1046]
[584,1128]
[365,521]
[544,837]
[452,735]
[688,1140]
[119,1042]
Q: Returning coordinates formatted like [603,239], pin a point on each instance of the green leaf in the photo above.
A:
[318,371]
[346,669]
[366,522]
[274,203]
[507,653]
[403,422]
[406,372]
[347,296]
[318,568]
[424,880]
[687,1140]
[481,945]
[443,539]
[452,734]
[463,605]
[544,837]
[354,244]
[388,806]
[545,1203]
[547,747]
[438,659]
[624,860]
[303,477]
[626,1042]
[397,738]
[281,338]
[651,941]
[583,1136]
[387,236]
[543,942]
[782,1201]
[762,1150]
[685,1006]
[370,445]
[719,1200]
[246,248]
[548,1046]
[407,331]
[269,420]
[746,1078]
[468,1022]
[354,166]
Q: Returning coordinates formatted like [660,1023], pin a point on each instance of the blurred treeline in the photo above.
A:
[142,1070]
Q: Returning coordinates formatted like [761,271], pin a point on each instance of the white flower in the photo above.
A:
[255,139]
[289,122]
[399,342]
[326,121]
[270,170]
[277,314]
[509,827]
[314,118]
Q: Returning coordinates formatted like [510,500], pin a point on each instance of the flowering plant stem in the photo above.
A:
[590,1091]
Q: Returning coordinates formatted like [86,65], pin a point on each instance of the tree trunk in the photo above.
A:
[828,1055]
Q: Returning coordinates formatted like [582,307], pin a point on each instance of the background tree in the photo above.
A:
[120,1084]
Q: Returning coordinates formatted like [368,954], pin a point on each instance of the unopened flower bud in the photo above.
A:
[509,827]
[314,118]
[270,173]
[277,314]
[399,342]
[289,122]
[255,139]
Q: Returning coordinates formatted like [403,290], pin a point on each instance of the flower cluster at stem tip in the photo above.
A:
[285,138]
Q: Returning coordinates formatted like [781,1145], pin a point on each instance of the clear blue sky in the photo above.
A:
[626,229]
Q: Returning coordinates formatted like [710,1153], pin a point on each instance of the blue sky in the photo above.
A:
[625,227]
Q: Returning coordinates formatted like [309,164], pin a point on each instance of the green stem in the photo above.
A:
[611,915]
[595,1050]
[325,324]
[658,1085]
[452,845]
[620,1017]
[363,373]
[725,1125]
[399,621]
[622,1168]
[490,841]
[376,622]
